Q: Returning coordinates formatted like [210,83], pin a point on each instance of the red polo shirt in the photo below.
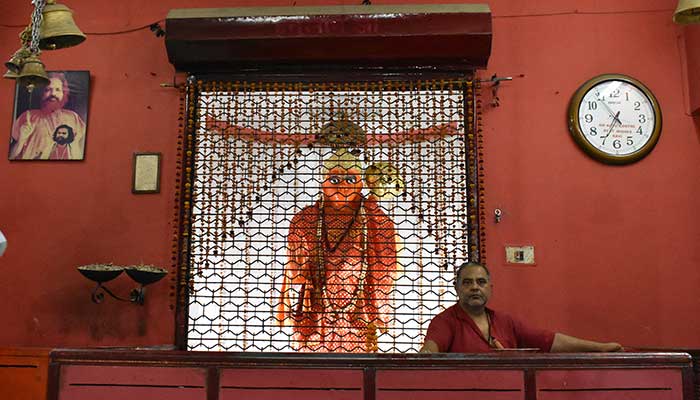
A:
[455,332]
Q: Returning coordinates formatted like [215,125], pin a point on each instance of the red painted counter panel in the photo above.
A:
[415,384]
[602,384]
[287,383]
[106,382]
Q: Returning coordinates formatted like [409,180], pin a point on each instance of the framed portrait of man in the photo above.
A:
[49,123]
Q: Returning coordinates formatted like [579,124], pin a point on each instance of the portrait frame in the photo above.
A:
[46,128]
[146,173]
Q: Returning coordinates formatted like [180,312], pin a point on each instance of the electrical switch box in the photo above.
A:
[520,255]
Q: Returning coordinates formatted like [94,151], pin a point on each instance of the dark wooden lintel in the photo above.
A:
[451,37]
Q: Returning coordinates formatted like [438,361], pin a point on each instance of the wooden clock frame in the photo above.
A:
[586,146]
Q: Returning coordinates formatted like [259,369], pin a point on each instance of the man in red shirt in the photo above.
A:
[470,327]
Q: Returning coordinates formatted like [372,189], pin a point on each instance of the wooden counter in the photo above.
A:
[174,375]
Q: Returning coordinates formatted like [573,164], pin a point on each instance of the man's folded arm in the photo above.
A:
[569,344]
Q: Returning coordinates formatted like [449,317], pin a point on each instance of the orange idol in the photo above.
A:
[341,265]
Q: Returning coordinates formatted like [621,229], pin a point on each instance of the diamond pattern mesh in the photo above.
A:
[327,217]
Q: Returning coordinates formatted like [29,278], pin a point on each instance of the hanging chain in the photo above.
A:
[26,36]
[37,17]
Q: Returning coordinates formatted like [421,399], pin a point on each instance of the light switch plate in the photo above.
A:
[520,255]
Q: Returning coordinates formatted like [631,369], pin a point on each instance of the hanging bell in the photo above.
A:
[687,12]
[58,30]
[33,73]
[10,74]
[15,62]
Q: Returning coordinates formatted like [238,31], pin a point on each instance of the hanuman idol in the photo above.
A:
[341,263]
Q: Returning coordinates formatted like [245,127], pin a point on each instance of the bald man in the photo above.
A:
[470,327]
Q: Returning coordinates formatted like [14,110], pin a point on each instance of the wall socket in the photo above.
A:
[520,255]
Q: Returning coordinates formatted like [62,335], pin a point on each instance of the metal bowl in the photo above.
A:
[100,272]
[145,274]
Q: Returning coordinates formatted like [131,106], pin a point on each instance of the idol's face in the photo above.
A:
[473,288]
[342,186]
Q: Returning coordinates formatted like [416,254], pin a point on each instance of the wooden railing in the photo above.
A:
[174,375]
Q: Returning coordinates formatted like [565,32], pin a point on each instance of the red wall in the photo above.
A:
[692,44]
[616,247]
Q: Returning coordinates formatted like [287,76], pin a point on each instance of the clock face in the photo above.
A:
[615,119]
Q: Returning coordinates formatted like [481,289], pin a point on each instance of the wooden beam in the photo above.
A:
[448,37]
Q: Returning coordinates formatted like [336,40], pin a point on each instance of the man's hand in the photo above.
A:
[611,347]
[26,129]
[569,344]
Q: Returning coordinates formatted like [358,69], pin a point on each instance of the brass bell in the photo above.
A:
[15,62]
[58,30]
[10,75]
[687,12]
[33,73]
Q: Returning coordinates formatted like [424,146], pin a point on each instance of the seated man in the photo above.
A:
[470,327]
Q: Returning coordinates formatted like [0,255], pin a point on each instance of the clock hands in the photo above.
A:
[612,125]
[610,111]
[615,116]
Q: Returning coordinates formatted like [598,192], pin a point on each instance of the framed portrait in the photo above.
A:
[50,122]
[146,177]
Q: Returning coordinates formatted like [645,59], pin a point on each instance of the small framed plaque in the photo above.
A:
[146,173]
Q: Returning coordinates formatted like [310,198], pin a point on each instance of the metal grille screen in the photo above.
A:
[327,217]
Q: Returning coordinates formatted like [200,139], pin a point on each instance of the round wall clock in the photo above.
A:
[615,119]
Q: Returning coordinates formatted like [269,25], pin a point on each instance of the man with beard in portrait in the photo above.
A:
[33,131]
[63,136]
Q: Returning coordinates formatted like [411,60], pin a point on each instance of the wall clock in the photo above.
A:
[615,119]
